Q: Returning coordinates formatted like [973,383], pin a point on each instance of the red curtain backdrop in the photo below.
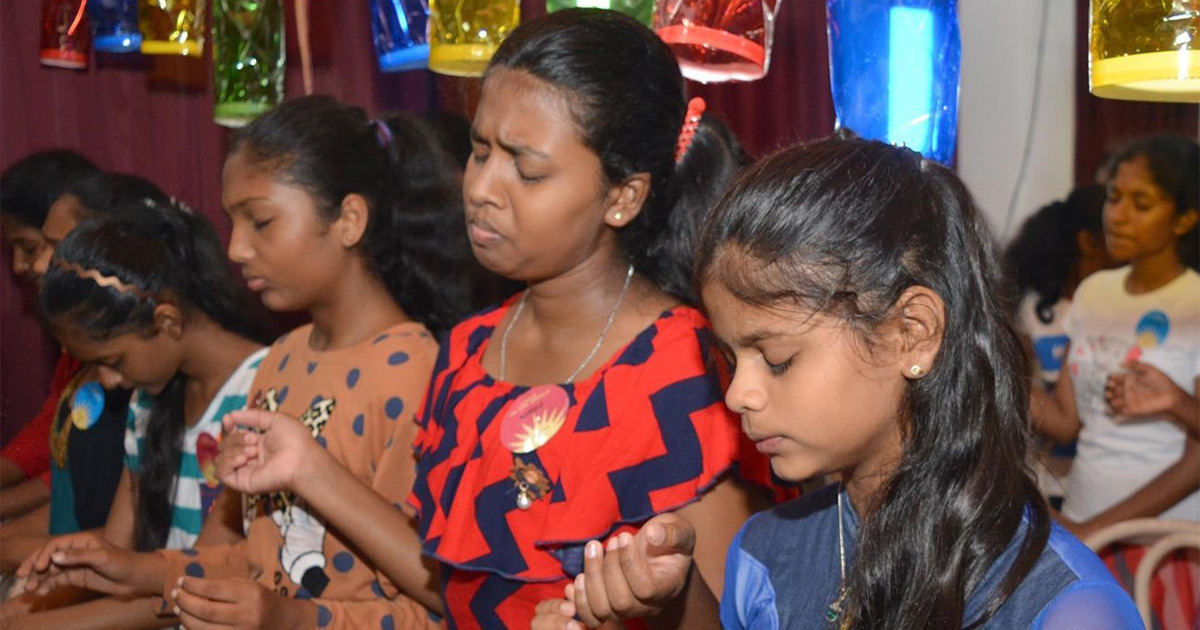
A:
[153,117]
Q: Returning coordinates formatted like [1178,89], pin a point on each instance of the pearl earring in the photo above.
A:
[617,216]
[916,371]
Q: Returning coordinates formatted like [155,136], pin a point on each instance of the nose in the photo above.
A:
[239,249]
[108,377]
[479,183]
[1116,212]
[21,263]
[743,395]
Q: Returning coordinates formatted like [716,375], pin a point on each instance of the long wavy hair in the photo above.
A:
[843,226]
[416,240]
[168,254]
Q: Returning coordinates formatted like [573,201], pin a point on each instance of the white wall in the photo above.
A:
[999,61]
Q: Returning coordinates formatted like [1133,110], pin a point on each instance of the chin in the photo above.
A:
[793,471]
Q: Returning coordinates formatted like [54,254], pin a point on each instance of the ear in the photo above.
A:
[1186,221]
[352,224]
[625,200]
[168,320]
[923,322]
[1087,243]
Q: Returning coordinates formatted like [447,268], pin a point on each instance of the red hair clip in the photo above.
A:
[691,121]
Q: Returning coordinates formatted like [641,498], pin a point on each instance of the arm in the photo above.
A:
[1146,392]
[1171,486]
[10,473]
[223,525]
[1055,415]
[109,613]
[23,496]
[118,529]
[284,455]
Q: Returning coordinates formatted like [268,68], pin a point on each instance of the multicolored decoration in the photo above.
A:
[66,34]
[641,10]
[464,34]
[87,405]
[248,59]
[172,27]
[115,25]
[532,420]
[718,40]
[894,70]
[207,449]
[1145,51]
[398,27]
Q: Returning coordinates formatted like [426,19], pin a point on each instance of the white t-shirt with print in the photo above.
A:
[1107,325]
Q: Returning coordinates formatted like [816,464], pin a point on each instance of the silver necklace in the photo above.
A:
[835,609]
[596,348]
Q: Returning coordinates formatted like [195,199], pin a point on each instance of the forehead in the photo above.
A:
[83,346]
[524,109]
[14,230]
[737,321]
[63,216]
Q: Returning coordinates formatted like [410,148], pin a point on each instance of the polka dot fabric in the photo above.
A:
[356,401]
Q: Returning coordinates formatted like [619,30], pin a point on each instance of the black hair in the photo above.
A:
[30,186]
[103,194]
[165,254]
[844,226]
[1173,162]
[627,99]
[415,240]
[453,130]
[1045,253]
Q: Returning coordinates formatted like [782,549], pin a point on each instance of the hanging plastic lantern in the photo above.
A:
[894,68]
[1145,51]
[115,25]
[248,59]
[66,34]
[172,27]
[399,30]
[641,10]
[718,40]
[464,34]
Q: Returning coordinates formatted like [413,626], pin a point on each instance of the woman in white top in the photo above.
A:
[1135,331]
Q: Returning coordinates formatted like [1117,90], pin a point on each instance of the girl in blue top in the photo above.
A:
[856,292]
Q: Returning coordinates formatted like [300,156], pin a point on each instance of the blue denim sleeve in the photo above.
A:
[1091,605]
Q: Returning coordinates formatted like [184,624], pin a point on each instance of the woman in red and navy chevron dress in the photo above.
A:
[591,401]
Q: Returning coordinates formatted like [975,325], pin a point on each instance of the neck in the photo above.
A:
[211,355]
[578,298]
[1154,271]
[865,480]
[358,308]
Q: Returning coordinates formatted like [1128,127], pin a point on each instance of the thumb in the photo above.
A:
[249,419]
[668,534]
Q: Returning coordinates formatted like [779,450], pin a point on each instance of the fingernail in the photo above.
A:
[565,608]
[612,543]
[176,611]
[179,581]
[655,534]
[623,539]
[592,549]
[579,582]
[174,593]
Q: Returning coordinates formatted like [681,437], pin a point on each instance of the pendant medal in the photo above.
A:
[529,423]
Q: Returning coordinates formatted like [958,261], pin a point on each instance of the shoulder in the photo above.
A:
[790,523]
[1100,283]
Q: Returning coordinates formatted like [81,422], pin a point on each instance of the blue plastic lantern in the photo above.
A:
[398,27]
[115,26]
[894,71]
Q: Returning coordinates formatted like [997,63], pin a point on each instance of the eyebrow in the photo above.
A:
[515,149]
[243,202]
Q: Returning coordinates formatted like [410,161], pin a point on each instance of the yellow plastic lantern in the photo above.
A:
[172,27]
[463,34]
[1146,50]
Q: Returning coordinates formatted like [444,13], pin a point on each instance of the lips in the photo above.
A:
[482,233]
[253,282]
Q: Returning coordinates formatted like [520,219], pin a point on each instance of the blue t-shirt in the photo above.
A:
[783,572]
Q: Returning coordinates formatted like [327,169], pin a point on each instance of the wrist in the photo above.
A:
[299,613]
[151,572]
[313,465]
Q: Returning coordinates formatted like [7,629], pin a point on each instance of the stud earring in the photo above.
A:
[617,216]
[916,371]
